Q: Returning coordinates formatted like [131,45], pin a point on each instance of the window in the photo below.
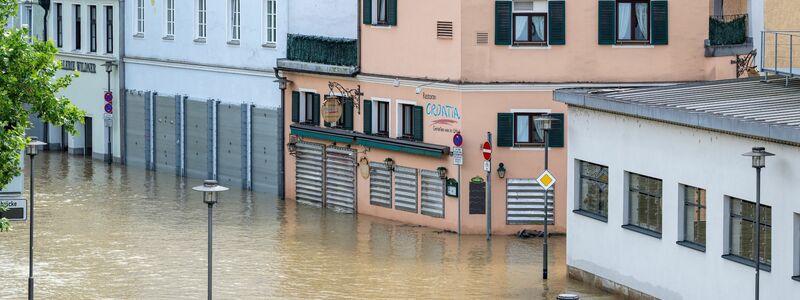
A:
[633,20]
[594,189]
[109,29]
[644,204]
[382,118]
[308,104]
[694,217]
[407,119]
[525,132]
[27,20]
[92,28]
[235,17]
[270,28]
[202,14]
[59,26]
[381,12]
[170,18]
[77,27]
[530,22]
[139,17]
[742,231]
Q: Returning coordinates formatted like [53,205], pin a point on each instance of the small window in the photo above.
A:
[202,13]
[525,132]
[633,19]
[140,17]
[308,104]
[742,231]
[170,18]
[382,119]
[236,20]
[92,28]
[530,22]
[271,22]
[27,20]
[59,26]
[694,215]
[77,27]
[407,121]
[594,189]
[644,203]
[381,12]
[109,29]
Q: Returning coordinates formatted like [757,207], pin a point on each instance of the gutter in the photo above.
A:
[122,95]
[282,83]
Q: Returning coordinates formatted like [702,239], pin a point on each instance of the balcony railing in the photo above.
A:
[727,30]
[781,52]
[322,50]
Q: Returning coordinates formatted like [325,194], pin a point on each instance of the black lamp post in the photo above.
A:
[759,156]
[32,148]
[545,122]
[210,188]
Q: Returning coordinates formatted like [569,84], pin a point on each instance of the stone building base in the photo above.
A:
[607,285]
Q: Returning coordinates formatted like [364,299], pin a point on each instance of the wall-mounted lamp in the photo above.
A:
[292,145]
[501,171]
[442,172]
[389,163]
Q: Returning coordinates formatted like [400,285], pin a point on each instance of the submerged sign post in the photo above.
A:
[487,166]
[458,160]
[16,209]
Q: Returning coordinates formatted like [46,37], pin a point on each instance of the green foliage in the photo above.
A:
[28,86]
[727,30]
[323,50]
[4,224]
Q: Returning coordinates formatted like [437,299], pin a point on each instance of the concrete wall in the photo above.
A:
[680,155]
[337,18]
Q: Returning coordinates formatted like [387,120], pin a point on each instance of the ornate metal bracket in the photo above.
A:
[353,95]
[744,63]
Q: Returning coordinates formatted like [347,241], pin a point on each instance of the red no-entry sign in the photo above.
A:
[487,151]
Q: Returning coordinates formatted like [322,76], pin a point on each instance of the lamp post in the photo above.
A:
[759,156]
[210,188]
[545,122]
[109,157]
[32,148]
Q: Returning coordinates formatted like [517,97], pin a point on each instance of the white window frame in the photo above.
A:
[398,113]
[533,147]
[374,116]
[169,19]
[303,92]
[27,19]
[201,20]
[139,21]
[234,21]
[270,23]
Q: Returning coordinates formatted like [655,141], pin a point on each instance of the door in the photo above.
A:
[87,140]
[340,179]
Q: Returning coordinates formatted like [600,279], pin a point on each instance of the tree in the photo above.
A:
[28,86]
[4,225]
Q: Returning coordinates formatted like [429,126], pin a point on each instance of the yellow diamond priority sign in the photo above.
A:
[546,180]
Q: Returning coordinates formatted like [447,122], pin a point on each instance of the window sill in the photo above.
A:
[269,45]
[591,215]
[531,46]
[642,230]
[633,46]
[233,43]
[200,40]
[381,26]
[746,262]
[139,35]
[691,245]
[796,278]
[168,38]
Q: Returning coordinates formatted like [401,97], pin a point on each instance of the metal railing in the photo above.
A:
[781,53]
[727,30]
[323,50]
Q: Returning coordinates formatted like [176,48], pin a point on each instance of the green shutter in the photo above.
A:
[295,107]
[556,11]
[502,22]
[418,126]
[315,110]
[505,129]
[391,12]
[367,11]
[606,22]
[659,22]
[556,134]
[347,115]
[367,116]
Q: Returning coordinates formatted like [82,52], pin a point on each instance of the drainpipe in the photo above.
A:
[358,36]
[122,96]
[282,83]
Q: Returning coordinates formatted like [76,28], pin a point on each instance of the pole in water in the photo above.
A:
[210,235]
[489,193]
[30,244]
[546,213]
[459,200]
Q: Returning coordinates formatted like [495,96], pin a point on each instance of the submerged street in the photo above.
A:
[115,232]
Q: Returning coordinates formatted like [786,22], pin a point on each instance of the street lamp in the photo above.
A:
[501,170]
[32,148]
[389,163]
[759,156]
[210,188]
[545,122]
[442,172]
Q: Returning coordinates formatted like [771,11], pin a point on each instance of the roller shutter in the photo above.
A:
[380,185]
[340,179]
[432,194]
[525,202]
[405,189]
[308,173]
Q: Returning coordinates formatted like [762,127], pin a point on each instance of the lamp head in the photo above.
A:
[32,148]
[210,190]
[759,156]
[501,171]
[545,122]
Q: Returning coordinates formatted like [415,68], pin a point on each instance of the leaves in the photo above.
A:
[4,224]
[28,86]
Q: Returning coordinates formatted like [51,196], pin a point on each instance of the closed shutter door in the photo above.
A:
[166,141]
[229,147]
[405,189]
[380,185]
[197,139]
[134,129]
[340,179]
[525,202]
[308,173]
[432,194]
[266,150]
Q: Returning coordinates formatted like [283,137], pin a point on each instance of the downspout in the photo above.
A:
[358,36]
[282,82]
[122,95]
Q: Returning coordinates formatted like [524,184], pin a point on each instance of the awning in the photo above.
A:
[357,138]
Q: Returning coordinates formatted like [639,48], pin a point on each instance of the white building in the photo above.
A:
[661,198]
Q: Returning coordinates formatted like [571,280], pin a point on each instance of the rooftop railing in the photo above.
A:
[727,30]
[781,53]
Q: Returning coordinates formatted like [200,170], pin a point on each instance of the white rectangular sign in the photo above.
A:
[458,151]
[458,156]
[16,210]
[487,166]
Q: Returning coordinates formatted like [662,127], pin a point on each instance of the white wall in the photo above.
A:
[756,23]
[680,155]
[331,18]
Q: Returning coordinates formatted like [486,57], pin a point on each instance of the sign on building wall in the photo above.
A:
[331,109]
[443,117]
[477,196]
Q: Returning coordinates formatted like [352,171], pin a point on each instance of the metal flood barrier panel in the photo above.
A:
[380,185]
[229,147]
[432,194]
[308,173]
[197,133]
[265,150]
[525,202]
[165,134]
[135,151]
[405,189]
[340,179]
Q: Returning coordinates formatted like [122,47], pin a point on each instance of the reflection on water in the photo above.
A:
[116,232]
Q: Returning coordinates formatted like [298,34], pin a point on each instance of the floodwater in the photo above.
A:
[110,232]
